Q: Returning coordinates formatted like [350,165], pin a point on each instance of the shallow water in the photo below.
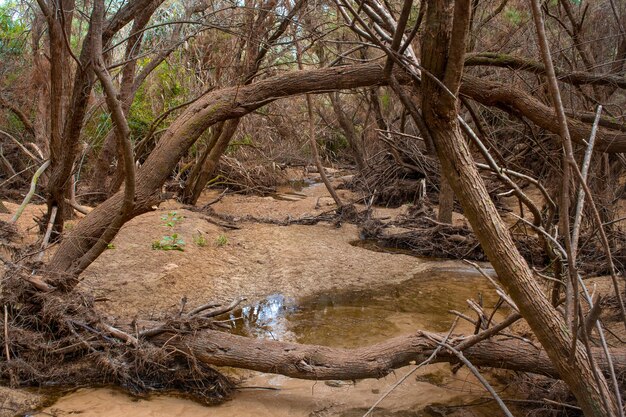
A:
[342,319]
[352,318]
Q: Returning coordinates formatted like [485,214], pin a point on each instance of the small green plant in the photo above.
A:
[199,240]
[171,219]
[221,240]
[110,246]
[170,242]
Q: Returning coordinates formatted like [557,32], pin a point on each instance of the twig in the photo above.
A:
[77,206]
[477,374]
[580,203]
[31,191]
[412,371]
[203,307]
[463,316]
[215,200]
[131,340]
[12,177]
[492,331]
[221,224]
[499,289]
[605,347]
[6,334]
[46,238]
[551,402]
[224,309]
[22,147]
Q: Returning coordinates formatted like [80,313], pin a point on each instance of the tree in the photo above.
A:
[443,51]
[428,89]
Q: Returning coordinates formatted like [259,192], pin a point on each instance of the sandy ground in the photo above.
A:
[254,261]
[219,264]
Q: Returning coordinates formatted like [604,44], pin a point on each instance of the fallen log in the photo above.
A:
[314,362]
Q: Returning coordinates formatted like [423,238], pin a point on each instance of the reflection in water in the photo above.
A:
[265,319]
[354,318]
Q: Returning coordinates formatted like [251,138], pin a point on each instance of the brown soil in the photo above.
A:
[17,402]
[259,259]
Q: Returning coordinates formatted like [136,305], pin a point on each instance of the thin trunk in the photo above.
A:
[312,139]
[126,96]
[186,193]
[210,164]
[348,129]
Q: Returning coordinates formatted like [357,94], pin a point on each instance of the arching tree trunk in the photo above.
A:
[213,107]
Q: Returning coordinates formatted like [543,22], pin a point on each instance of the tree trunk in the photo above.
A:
[187,192]
[213,107]
[446,200]
[127,94]
[348,129]
[443,50]
[218,348]
[197,183]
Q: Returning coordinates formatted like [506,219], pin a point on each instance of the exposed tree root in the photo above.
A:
[59,339]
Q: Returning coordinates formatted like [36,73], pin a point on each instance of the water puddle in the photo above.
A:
[342,319]
[294,191]
[354,318]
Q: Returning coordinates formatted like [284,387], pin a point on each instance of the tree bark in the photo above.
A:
[325,363]
[214,107]
[228,103]
[126,96]
[517,101]
[196,184]
[441,43]
[446,200]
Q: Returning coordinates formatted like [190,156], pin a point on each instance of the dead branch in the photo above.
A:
[31,191]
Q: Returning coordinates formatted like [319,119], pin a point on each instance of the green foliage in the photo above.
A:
[170,242]
[221,240]
[515,16]
[246,140]
[385,100]
[140,115]
[171,219]
[414,13]
[98,127]
[171,89]
[199,240]
[337,143]
[110,246]
[13,30]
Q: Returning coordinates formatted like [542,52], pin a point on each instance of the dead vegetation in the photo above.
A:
[60,340]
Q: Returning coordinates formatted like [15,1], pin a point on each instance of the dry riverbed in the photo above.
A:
[373,295]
